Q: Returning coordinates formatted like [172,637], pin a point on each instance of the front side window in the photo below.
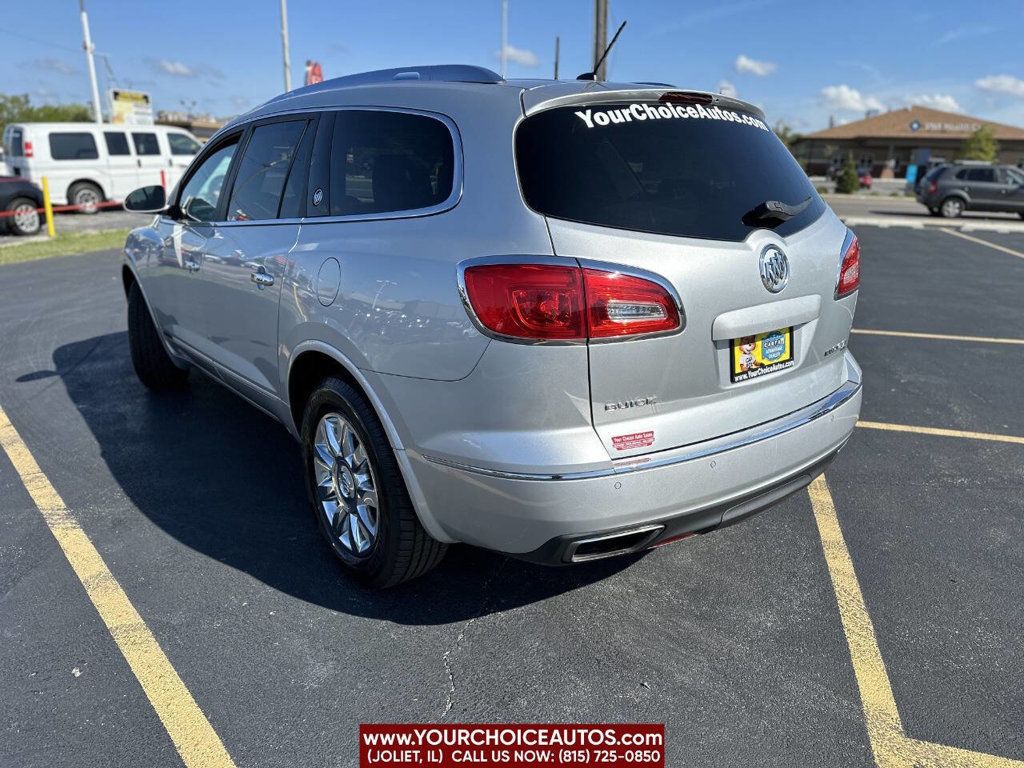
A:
[182,144]
[117,143]
[146,144]
[1013,176]
[675,169]
[981,174]
[201,193]
[385,162]
[73,146]
[263,170]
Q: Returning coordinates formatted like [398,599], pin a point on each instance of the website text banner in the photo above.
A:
[568,745]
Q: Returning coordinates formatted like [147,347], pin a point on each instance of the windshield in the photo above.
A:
[673,169]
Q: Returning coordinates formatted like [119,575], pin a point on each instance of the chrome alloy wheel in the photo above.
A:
[26,217]
[346,484]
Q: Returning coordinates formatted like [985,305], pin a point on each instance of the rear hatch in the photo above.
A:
[676,185]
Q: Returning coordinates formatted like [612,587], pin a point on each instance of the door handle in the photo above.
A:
[261,278]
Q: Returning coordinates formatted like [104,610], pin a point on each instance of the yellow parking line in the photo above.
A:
[193,736]
[939,432]
[891,747]
[978,240]
[936,336]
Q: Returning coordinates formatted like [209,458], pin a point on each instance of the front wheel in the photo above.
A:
[153,365]
[357,491]
[24,217]
[951,207]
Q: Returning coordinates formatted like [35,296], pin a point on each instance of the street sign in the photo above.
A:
[130,107]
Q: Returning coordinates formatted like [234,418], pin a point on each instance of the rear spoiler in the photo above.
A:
[546,97]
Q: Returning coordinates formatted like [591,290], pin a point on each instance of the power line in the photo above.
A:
[37,41]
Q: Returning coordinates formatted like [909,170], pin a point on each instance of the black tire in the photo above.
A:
[402,549]
[1021,214]
[153,365]
[86,194]
[933,211]
[951,207]
[23,224]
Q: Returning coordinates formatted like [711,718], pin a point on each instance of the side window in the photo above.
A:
[981,174]
[201,193]
[15,147]
[389,161]
[117,143]
[1013,176]
[294,189]
[146,144]
[262,171]
[182,144]
[962,173]
[73,146]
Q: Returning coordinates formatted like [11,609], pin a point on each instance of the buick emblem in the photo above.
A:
[774,268]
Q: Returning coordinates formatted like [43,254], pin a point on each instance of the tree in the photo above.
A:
[980,145]
[786,134]
[848,182]
[18,109]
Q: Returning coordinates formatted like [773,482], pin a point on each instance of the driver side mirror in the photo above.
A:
[151,199]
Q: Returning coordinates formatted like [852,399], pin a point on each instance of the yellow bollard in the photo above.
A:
[48,208]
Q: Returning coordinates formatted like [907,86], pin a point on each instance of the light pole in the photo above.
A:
[600,38]
[284,46]
[97,109]
[504,38]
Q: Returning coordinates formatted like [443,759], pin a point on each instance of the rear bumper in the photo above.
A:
[693,488]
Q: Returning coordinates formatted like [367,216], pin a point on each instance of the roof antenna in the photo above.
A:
[593,75]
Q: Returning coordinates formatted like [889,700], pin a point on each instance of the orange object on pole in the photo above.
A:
[48,208]
[163,179]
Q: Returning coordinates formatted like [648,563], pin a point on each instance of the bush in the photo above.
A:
[848,182]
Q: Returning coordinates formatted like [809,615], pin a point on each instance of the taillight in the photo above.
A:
[567,303]
[849,267]
[933,187]
[26,149]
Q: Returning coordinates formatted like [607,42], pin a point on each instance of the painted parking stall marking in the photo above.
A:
[194,738]
[941,432]
[979,241]
[936,336]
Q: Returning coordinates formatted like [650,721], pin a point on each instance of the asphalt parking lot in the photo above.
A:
[873,620]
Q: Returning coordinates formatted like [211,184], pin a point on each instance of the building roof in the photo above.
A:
[917,122]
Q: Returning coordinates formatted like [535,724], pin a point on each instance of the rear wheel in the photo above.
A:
[153,365]
[25,219]
[357,491]
[86,195]
[951,207]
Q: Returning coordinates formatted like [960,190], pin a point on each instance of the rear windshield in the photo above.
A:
[672,169]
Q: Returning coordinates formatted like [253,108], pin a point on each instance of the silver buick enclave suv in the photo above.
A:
[561,320]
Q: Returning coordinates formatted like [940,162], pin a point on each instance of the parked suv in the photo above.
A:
[561,320]
[949,190]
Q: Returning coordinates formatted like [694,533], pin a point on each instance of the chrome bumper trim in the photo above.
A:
[701,450]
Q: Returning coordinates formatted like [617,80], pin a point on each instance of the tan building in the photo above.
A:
[891,141]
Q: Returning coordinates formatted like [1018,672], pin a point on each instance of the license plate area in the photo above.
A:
[762,354]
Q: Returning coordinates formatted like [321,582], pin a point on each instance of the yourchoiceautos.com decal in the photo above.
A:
[641,112]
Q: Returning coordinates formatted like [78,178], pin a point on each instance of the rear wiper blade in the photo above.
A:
[774,210]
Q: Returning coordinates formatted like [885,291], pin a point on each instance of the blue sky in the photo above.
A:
[800,61]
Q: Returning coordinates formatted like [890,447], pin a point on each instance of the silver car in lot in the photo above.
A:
[560,320]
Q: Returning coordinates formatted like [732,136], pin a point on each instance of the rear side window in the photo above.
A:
[182,144]
[117,143]
[73,146]
[981,174]
[384,162]
[674,169]
[146,144]
[263,170]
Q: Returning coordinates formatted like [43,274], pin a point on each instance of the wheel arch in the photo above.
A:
[87,180]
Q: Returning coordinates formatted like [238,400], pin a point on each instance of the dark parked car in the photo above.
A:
[950,190]
[19,201]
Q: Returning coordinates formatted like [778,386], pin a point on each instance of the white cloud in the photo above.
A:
[519,56]
[850,99]
[59,66]
[1002,84]
[942,101]
[176,68]
[727,89]
[755,67]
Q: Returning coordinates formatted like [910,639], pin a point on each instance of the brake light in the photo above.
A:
[849,267]
[933,187]
[26,149]
[567,303]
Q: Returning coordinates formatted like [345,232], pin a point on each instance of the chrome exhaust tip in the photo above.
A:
[612,544]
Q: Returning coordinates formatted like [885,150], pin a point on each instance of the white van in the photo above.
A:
[90,163]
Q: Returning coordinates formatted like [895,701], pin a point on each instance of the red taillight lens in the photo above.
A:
[26,149]
[623,305]
[933,187]
[529,301]
[541,301]
[849,267]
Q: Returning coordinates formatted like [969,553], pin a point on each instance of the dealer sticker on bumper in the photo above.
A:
[754,356]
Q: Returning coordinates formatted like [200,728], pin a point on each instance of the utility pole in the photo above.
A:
[600,38]
[284,46]
[558,45]
[97,109]
[504,38]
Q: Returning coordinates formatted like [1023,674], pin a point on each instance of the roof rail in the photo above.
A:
[452,73]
